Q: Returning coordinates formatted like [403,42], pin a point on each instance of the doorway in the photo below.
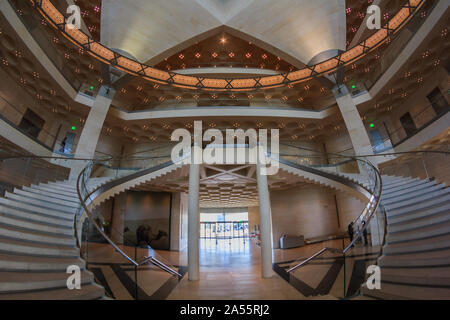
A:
[377,141]
[224,226]
[438,102]
[408,124]
[224,239]
[31,123]
[67,143]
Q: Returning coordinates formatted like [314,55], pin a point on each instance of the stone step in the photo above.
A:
[423,233]
[393,180]
[62,186]
[52,195]
[403,186]
[10,232]
[388,178]
[422,214]
[412,194]
[34,249]
[49,190]
[400,182]
[407,292]
[388,182]
[34,217]
[37,210]
[394,207]
[419,223]
[422,259]
[434,201]
[440,242]
[30,281]
[87,292]
[10,262]
[40,203]
[393,195]
[42,197]
[417,276]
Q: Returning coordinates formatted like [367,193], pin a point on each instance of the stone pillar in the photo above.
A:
[91,131]
[118,218]
[356,129]
[265,222]
[355,126]
[193,222]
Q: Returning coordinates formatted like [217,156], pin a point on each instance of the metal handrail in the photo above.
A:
[372,206]
[151,259]
[315,255]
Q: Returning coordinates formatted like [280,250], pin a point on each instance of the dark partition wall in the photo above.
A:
[147,219]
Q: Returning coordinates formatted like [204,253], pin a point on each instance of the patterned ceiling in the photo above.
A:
[134,94]
[224,186]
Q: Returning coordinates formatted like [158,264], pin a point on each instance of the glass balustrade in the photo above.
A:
[102,241]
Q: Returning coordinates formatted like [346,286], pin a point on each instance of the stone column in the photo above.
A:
[91,131]
[355,126]
[265,222]
[356,129]
[193,222]
[118,218]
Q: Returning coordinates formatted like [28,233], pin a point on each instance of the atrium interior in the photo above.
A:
[224,149]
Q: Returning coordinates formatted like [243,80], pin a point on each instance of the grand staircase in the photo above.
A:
[37,243]
[415,261]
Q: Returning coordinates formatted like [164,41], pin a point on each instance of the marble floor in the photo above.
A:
[231,269]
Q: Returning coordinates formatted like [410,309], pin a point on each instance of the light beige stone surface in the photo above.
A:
[299,28]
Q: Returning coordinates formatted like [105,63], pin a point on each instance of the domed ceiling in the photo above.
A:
[149,30]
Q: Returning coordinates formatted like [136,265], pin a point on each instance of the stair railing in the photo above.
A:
[87,197]
[373,208]
[366,215]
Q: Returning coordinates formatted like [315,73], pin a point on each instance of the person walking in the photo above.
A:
[350,231]
[365,233]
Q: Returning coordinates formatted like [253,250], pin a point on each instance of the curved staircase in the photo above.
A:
[37,243]
[415,263]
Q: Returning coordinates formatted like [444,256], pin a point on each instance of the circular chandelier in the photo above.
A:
[57,20]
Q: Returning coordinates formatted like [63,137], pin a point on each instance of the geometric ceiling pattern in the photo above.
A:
[299,28]
[355,12]
[224,186]
[137,94]
[128,64]
[23,67]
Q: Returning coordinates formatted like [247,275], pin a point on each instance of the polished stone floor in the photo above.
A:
[231,269]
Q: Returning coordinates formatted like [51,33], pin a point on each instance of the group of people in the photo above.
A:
[351,232]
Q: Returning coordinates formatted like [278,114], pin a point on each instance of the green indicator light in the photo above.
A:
[353,86]
[372,125]
[91,87]
[73,128]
